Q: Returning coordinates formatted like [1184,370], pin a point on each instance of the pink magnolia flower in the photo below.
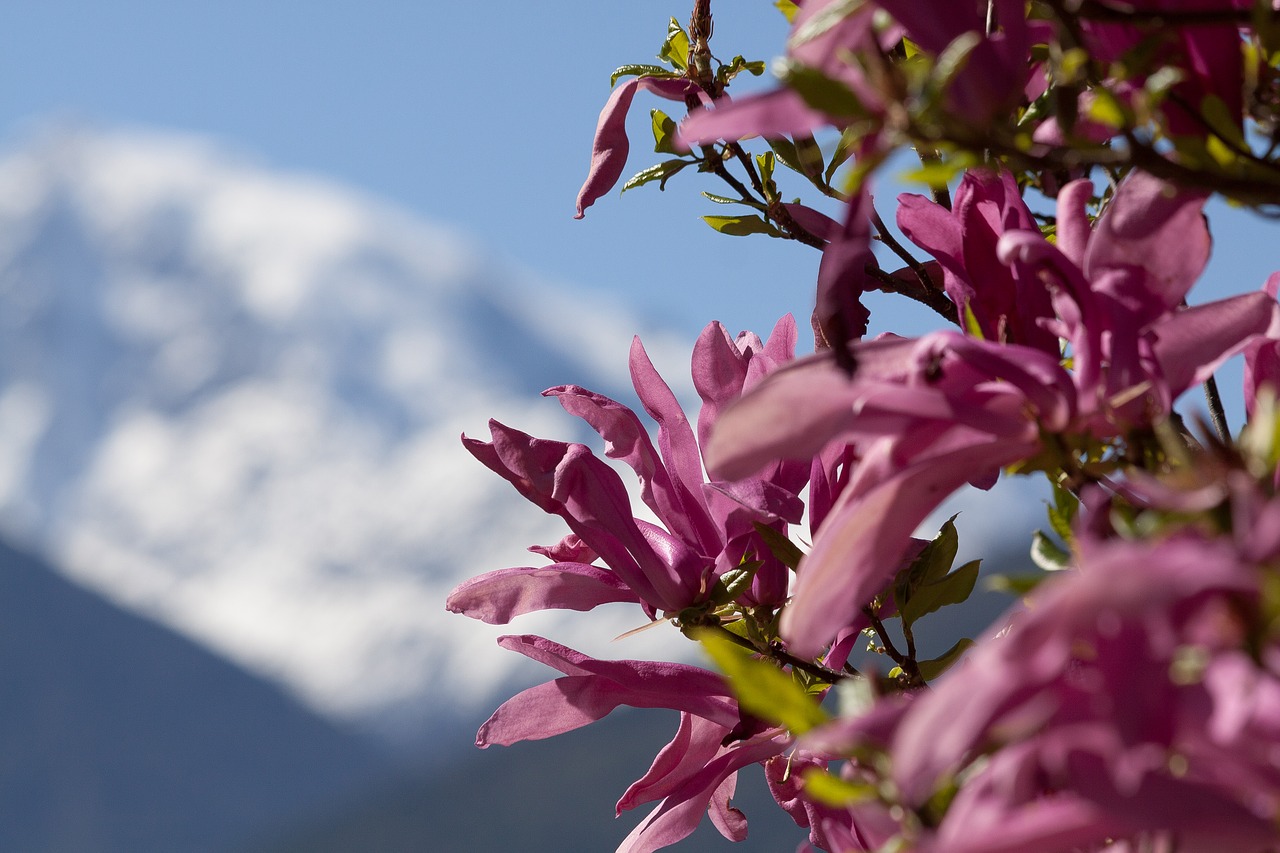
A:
[992,77]
[694,774]
[1117,705]
[707,528]
[1007,308]
[1209,57]
[933,414]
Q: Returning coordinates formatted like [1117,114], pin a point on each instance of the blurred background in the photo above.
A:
[261,264]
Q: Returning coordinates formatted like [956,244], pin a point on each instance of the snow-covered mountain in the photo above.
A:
[231,400]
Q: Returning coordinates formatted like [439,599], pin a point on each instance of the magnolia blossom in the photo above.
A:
[707,528]
[933,414]
[842,44]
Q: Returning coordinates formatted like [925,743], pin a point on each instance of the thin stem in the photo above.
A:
[910,669]
[886,237]
[1123,12]
[1217,414]
[931,298]
[930,157]
[781,655]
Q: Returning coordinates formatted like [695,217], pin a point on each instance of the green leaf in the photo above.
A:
[1047,554]
[736,66]
[783,548]
[664,132]
[765,163]
[785,150]
[936,174]
[1063,512]
[740,226]
[833,791]
[787,8]
[660,173]
[675,49]
[844,148]
[823,93]
[931,669]
[636,70]
[933,562]
[1018,585]
[952,589]
[735,582]
[763,689]
[722,199]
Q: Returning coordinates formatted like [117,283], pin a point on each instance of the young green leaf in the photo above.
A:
[931,669]
[783,548]
[735,582]
[675,49]
[640,70]
[736,66]
[951,589]
[740,226]
[765,162]
[787,8]
[664,132]
[660,173]
[763,689]
[835,792]
[1047,554]
[722,199]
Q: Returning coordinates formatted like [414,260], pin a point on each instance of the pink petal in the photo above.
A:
[498,597]
[792,414]
[843,278]
[610,148]
[681,812]
[1191,344]
[862,542]
[1157,228]
[593,688]
[774,114]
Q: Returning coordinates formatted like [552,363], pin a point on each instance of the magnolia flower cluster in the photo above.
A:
[1131,701]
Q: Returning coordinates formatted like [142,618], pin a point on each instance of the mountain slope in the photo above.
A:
[231,400]
[119,736]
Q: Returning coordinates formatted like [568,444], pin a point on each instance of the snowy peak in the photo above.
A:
[231,400]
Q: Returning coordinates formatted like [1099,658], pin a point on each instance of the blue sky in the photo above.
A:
[478,115]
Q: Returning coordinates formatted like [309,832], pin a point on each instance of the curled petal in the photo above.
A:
[610,148]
